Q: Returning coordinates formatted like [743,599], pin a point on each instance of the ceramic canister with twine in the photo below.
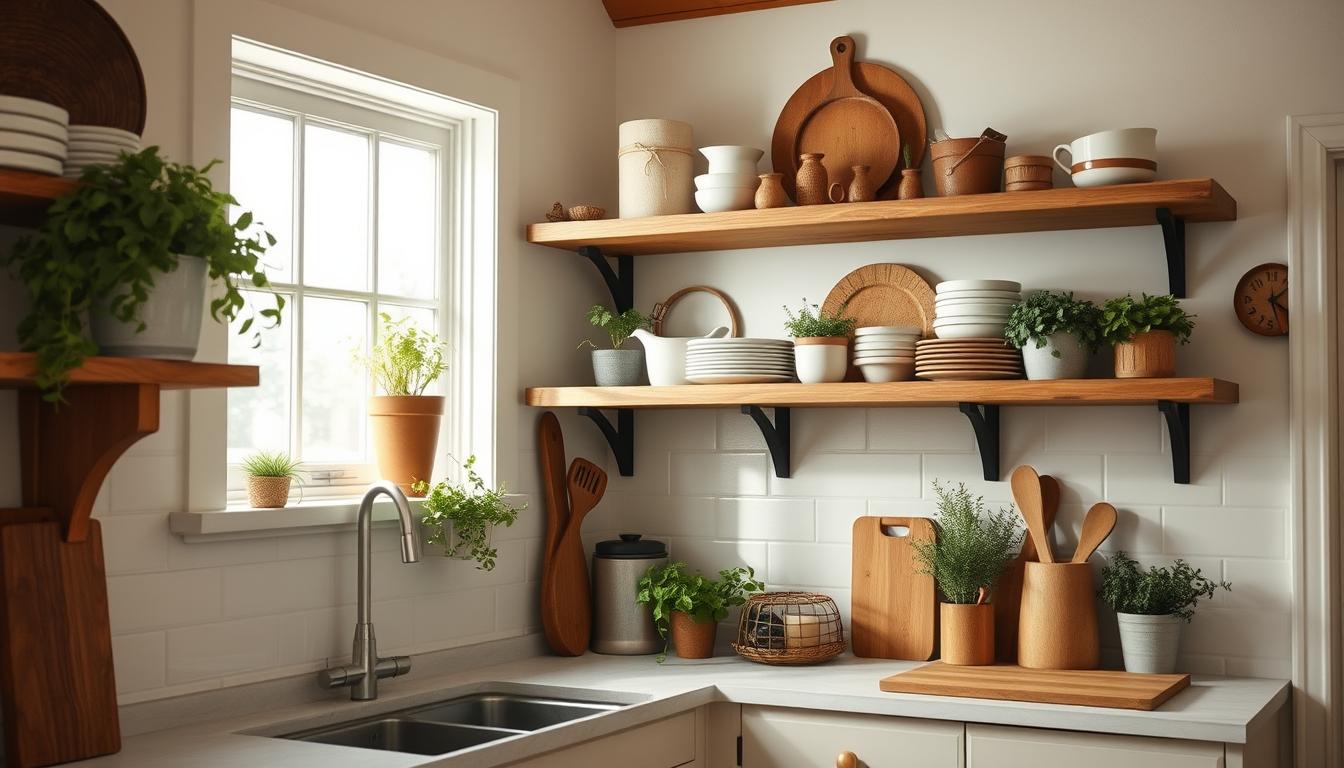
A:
[657,168]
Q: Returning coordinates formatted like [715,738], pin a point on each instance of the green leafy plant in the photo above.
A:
[1173,590]
[807,324]
[972,547]
[1124,317]
[101,246]
[1044,313]
[271,464]
[905,157]
[406,360]
[471,511]
[618,327]
[672,587]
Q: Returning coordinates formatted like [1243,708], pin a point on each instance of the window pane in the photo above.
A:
[261,176]
[334,390]
[407,220]
[259,417]
[423,319]
[335,208]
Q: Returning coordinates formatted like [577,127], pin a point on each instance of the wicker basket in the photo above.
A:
[790,629]
[267,492]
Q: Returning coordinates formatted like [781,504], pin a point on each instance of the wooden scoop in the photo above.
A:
[1027,493]
[850,127]
[1097,525]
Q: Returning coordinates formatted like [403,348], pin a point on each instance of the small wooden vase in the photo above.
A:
[1027,173]
[771,194]
[910,188]
[1057,628]
[1150,355]
[861,186]
[967,634]
[811,183]
[691,639]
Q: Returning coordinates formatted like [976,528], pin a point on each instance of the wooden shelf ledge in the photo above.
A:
[17,370]
[24,196]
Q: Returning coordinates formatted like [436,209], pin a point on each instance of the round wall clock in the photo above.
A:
[1261,300]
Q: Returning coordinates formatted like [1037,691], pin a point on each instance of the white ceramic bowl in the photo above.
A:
[904,344]
[727,199]
[977,285]
[972,294]
[727,181]
[735,159]
[973,310]
[889,330]
[976,330]
[950,300]
[881,373]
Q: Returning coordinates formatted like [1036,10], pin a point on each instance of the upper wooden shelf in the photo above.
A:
[1126,205]
[17,369]
[24,196]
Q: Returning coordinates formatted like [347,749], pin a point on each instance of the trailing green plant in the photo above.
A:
[618,327]
[471,510]
[972,547]
[406,360]
[672,587]
[102,245]
[1124,317]
[1047,312]
[1173,590]
[807,324]
[271,464]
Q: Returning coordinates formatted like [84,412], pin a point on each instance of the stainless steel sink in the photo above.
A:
[399,734]
[502,710]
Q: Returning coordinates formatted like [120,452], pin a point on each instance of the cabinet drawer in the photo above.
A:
[994,746]
[662,744]
[774,737]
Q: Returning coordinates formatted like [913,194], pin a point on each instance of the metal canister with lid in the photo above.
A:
[620,625]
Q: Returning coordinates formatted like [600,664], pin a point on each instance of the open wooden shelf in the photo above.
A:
[24,196]
[18,368]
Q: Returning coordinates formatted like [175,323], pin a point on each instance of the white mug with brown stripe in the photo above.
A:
[1122,156]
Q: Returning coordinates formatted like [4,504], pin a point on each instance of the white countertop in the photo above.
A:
[1211,709]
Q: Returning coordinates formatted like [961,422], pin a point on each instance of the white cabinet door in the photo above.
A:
[776,737]
[662,744]
[995,746]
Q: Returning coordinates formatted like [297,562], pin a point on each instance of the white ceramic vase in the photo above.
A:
[733,159]
[666,355]
[1150,643]
[1062,357]
[821,359]
[171,314]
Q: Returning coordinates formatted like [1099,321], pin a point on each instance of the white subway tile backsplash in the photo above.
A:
[827,429]
[1087,429]
[1256,481]
[719,474]
[454,615]
[1145,478]
[136,543]
[215,553]
[261,589]
[518,607]
[821,565]
[835,519]
[1220,632]
[157,600]
[663,516]
[711,556]
[965,468]
[919,430]
[769,519]
[140,661]
[1225,531]
[851,474]
[230,647]
[146,484]
[1258,586]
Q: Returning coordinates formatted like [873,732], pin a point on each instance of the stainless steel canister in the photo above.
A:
[620,625]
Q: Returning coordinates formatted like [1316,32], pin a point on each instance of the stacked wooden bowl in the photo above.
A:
[966,360]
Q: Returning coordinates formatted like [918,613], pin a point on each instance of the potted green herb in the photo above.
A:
[616,367]
[1145,333]
[404,362]
[971,550]
[693,605]
[820,344]
[1056,334]
[133,247]
[911,187]
[1151,607]
[269,475]
[462,517]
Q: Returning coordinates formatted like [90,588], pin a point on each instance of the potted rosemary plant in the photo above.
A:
[462,518]
[972,547]
[820,344]
[1056,334]
[616,367]
[269,475]
[1145,333]
[693,605]
[1151,607]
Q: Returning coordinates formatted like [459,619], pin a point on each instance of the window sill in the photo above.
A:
[313,516]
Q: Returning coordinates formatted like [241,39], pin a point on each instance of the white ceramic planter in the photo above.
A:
[1150,643]
[737,160]
[1062,357]
[821,359]
[617,367]
[172,317]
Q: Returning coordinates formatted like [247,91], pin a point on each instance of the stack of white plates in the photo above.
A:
[33,135]
[886,352]
[973,309]
[97,145]
[739,361]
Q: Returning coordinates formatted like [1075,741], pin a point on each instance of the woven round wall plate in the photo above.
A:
[882,295]
[71,53]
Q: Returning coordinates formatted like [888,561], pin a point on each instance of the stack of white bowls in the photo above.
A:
[886,353]
[739,361]
[732,180]
[97,145]
[973,309]
[33,135]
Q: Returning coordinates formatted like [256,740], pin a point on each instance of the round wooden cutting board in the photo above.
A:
[883,294]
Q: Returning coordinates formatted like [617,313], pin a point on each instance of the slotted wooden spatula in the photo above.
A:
[570,597]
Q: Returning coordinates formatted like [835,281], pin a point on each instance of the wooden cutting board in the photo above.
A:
[892,606]
[1006,682]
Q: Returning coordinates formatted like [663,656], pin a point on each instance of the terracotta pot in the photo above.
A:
[1057,627]
[1150,355]
[771,193]
[405,437]
[966,166]
[810,183]
[267,492]
[692,639]
[967,633]
[910,188]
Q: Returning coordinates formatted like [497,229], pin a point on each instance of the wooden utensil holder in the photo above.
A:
[967,634]
[1057,628]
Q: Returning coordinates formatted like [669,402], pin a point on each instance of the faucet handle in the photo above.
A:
[340,677]
[392,666]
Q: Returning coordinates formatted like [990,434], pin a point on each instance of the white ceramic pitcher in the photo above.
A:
[666,355]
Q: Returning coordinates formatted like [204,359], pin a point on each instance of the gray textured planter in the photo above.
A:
[172,317]
[1062,357]
[617,367]
[1150,643]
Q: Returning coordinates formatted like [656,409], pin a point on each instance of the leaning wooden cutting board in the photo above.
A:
[892,606]
[1006,682]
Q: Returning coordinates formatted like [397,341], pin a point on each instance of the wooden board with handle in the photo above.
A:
[551,450]
[1006,682]
[893,606]
[568,592]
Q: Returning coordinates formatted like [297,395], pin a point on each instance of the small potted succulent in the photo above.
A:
[269,475]
[910,188]
[693,605]
[616,367]
[1145,333]
[1151,607]
[971,550]
[820,344]
[1056,333]
[462,518]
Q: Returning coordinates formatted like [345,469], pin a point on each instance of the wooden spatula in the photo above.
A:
[1049,507]
[1027,493]
[569,593]
[1097,525]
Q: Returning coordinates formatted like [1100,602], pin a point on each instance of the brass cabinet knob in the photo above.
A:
[847,760]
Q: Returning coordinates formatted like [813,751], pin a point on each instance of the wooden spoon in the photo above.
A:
[1049,507]
[1027,493]
[568,595]
[1098,524]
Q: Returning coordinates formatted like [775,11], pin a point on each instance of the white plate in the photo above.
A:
[101,146]
[969,331]
[27,161]
[33,125]
[738,379]
[971,300]
[1010,295]
[27,142]
[736,341]
[739,358]
[977,285]
[884,361]
[742,368]
[959,313]
[17,105]
[104,131]
[889,330]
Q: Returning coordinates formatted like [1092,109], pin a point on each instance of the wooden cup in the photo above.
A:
[1057,628]
[967,634]
[1150,355]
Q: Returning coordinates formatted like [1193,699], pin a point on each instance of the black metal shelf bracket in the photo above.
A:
[777,437]
[1173,240]
[985,422]
[621,437]
[1178,430]
[620,281]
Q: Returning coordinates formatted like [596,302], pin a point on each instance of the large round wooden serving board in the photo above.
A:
[882,294]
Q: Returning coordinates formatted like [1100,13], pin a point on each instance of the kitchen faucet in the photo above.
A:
[361,675]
